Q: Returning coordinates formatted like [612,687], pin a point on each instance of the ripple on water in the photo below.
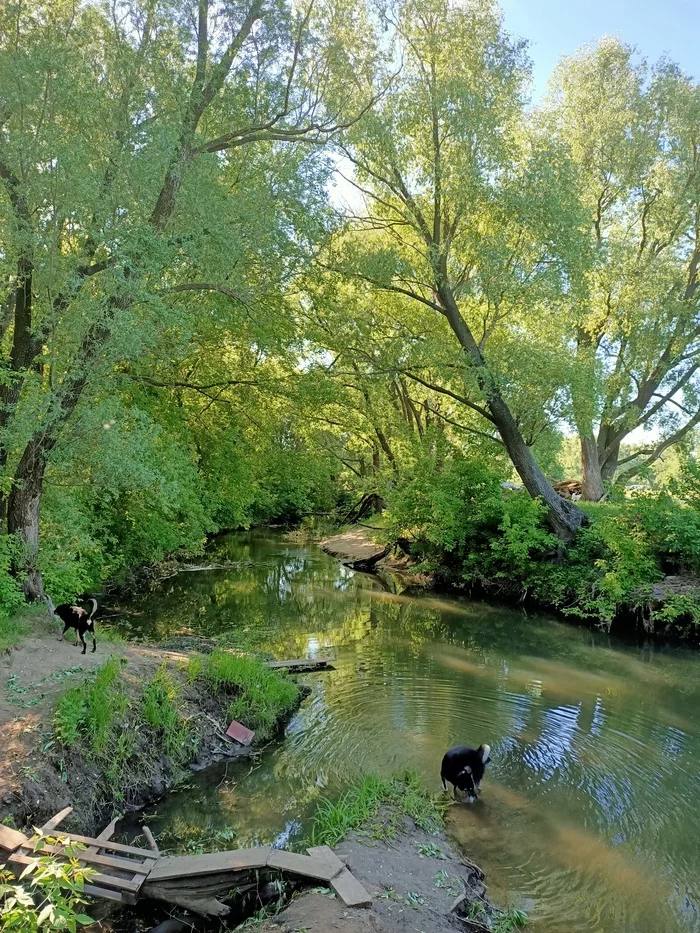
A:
[590,813]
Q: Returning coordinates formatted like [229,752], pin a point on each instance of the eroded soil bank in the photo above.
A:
[38,777]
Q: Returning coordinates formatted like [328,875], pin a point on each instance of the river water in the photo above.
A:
[589,817]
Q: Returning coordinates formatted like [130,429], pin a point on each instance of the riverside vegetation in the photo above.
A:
[197,333]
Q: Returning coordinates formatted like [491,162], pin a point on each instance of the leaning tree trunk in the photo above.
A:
[592,488]
[563,517]
[23,514]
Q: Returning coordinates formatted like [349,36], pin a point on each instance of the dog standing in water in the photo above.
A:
[464,768]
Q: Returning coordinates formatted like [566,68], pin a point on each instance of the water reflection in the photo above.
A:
[591,812]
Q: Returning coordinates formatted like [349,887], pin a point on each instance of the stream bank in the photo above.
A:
[649,614]
[110,732]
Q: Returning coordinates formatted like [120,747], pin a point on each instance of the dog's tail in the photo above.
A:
[94,609]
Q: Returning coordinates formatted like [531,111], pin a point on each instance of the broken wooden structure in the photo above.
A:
[195,882]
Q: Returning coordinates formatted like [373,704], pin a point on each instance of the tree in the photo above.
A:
[113,125]
[632,133]
[467,212]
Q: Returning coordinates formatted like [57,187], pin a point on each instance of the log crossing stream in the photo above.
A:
[589,817]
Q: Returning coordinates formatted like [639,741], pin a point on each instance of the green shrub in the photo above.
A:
[260,697]
[90,712]
[462,523]
[47,897]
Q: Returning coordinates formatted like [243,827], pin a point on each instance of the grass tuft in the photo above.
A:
[161,712]
[89,711]
[259,697]
[12,631]
[359,807]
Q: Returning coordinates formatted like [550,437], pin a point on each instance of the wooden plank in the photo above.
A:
[349,890]
[55,820]
[106,861]
[300,664]
[184,866]
[326,853]
[317,868]
[105,844]
[10,839]
[94,890]
[150,840]
[106,833]
[19,861]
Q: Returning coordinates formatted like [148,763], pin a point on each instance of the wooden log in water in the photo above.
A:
[303,664]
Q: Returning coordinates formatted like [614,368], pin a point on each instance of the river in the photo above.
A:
[589,817]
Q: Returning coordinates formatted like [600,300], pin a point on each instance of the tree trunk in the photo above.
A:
[23,514]
[592,489]
[563,517]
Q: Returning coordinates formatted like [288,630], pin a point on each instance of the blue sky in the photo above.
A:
[556,28]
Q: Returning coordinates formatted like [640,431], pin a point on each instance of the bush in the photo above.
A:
[462,523]
[260,696]
[49,897]
[361,804]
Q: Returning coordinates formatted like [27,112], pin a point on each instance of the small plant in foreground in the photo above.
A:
[430,850]
[511,919]
[48,896]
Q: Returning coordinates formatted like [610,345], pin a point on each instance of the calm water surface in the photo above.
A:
[590,813]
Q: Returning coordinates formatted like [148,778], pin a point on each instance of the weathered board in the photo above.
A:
[185,866]
[303,664]
[10,839]
[55,820]
[320,868]
[349,890]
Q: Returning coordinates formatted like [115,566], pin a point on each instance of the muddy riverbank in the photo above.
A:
[39,775]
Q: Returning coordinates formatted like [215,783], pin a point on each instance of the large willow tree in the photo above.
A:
[124,131]
[467,212]
[633,135]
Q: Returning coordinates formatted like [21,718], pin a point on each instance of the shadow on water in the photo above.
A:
[590,814]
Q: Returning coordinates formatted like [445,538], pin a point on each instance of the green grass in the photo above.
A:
[259,697]
[161,712]
[359,808]
[12,630]
[89,712]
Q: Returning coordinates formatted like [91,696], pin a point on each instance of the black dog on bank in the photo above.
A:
[464,768]
[77,618]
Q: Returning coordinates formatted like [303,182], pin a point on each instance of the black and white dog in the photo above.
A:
[77,618]
[464,768]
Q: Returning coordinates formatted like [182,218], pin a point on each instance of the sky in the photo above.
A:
[556,27]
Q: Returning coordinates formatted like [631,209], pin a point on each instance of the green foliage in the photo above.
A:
[48,896]
[161,712]
[98,720]
[260,696]
[463,524]
[359,807]
[11,631]
[90,713]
